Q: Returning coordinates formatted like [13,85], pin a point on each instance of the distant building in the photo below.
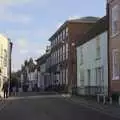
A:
[61,63]
[43,81]
[92,60]
[5,60]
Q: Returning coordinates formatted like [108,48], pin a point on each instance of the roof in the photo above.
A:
[42,59]
[88,19]
[98,28]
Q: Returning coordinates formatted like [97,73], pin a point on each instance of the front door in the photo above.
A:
[99,79]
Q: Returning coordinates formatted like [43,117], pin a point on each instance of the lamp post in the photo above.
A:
[10,56]
[72,52]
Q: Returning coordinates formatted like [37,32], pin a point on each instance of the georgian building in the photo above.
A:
[61,63]
[5,60]
[92,60]
[113,11]
[42,76]
[29,74]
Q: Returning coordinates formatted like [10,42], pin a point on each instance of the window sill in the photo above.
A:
[98,58]
[114,35]
[116,78]
[81,63]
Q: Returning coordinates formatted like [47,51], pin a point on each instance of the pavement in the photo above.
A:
[3,103]
[49,107]
[109,109]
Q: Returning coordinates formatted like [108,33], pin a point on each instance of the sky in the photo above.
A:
[30,23]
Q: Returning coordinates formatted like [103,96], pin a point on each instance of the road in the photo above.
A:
[48,108]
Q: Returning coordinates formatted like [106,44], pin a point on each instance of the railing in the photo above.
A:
[93,90]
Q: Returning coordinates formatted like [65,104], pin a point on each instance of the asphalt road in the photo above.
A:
[51,108]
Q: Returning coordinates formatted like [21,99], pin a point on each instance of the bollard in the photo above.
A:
[119,100]
[104,99]
[98,99]
[110,100]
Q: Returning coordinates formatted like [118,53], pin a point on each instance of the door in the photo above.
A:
[89,80]
[99,80]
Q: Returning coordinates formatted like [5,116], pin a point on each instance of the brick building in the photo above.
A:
[113,11]
[62,60]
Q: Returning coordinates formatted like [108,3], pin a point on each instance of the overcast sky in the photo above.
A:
[29,23]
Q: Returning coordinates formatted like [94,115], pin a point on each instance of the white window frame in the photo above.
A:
[115,11]
[116,59]
[66,31]
[66,51]
[98,52]
[81,55]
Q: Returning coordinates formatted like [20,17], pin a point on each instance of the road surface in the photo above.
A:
[48,108]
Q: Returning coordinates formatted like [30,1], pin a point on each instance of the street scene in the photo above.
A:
[59,60]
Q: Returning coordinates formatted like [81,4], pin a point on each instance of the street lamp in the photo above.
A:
[10,55]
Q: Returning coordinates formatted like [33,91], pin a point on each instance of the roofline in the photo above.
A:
[65,24]
[84,38]
[40,58]
[58,30]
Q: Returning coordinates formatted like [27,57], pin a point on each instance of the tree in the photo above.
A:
[15,78]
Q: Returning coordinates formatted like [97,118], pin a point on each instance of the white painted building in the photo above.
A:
[92,62]
[41,75]
[32,77]
[43,81]
[5,57]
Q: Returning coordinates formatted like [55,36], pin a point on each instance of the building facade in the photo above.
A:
[92,60]
[113,11]
[28,74]
[32,77]
[62,59]
[43,81]
[5,60]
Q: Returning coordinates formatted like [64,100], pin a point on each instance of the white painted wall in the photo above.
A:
[40,75]
[90,62]
[4,45]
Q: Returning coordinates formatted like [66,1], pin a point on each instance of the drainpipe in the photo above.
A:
[108,48]
[10,53]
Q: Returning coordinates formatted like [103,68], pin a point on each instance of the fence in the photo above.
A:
[92,90]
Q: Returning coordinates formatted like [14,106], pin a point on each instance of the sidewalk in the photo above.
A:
[3,103]
[112,110]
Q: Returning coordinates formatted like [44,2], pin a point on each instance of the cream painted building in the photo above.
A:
[92,61]
[5,55]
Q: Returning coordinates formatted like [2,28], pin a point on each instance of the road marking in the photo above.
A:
[39,96]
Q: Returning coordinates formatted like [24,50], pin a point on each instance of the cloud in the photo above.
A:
[74,17]
[23,51]
[12,2]
[27,46]
[22,46]
[10,16]
[22,43]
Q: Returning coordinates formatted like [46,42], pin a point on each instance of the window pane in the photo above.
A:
[98,47]
[67,51]
[115,19]
[116,64]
